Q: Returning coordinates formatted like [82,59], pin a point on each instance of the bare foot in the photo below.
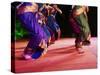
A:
[44,52]
[80,50]
[27,57]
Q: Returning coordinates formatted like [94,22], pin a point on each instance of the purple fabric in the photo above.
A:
[30,23]
[26,4]
[74,25]
[76,29]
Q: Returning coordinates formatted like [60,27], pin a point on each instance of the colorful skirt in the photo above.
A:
[30,23]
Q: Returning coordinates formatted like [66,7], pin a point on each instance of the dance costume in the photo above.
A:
[82,26]
[29,21]
[52,23]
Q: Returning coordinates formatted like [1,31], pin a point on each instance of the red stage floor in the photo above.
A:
[60,56]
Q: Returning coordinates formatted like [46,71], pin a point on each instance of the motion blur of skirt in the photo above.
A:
[76,29]
[30,23]
[83,22]
[53,25]
[46,31]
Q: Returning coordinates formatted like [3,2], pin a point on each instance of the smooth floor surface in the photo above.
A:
[60,56]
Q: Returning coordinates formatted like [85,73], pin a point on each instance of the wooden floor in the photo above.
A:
[60,56]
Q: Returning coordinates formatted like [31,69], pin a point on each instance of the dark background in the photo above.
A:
[19,32]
